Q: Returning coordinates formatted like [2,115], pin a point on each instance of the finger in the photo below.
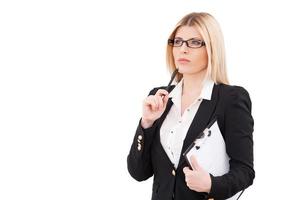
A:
[165,100]
[194,163]
[186,170]
[193,188]
[186,173]
[151,102]
[155,103]
[161,92]
[190,185]
[157,100]
[160,102]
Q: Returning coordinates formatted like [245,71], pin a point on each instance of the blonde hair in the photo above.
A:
[213,37]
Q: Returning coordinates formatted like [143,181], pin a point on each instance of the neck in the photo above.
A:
[192,83]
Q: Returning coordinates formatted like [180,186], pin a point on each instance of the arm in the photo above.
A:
[139,158]
[238,129]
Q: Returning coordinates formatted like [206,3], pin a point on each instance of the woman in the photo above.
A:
[171,120]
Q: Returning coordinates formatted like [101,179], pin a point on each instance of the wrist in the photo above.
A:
[146,123]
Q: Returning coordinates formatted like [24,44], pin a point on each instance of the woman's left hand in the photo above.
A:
[197,179]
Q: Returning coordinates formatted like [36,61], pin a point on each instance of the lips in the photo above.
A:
[183,60]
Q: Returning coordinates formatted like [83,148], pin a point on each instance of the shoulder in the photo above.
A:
[231,91]
[232,94]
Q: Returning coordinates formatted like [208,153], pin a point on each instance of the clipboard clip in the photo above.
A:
[201,138]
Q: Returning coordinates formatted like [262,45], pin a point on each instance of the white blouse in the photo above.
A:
[174,128]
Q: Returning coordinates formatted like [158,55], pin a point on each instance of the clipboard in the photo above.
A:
[210,150]
[208,147]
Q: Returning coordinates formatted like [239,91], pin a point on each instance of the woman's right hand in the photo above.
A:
[153,107]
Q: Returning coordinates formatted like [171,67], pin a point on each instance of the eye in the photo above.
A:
[196,42]
[177,41]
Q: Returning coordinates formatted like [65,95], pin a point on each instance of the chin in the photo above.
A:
[185,70]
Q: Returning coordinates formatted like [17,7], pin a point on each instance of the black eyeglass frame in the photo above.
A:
[171,43]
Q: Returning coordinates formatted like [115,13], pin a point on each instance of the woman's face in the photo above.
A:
[189,60]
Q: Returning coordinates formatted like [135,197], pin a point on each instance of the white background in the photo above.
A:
[73,75]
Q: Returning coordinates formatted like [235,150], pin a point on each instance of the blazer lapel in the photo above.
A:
[200,121]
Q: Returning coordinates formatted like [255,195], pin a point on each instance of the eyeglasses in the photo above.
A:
[192,43]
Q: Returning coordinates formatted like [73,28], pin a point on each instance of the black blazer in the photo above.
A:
[231,105]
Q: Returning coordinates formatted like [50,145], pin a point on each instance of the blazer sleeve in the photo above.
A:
[139,158]
[238,135]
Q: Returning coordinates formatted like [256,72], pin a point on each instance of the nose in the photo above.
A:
[184,48]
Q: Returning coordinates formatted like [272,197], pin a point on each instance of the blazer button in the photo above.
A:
[139,147]
[173,172]
[139,137]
